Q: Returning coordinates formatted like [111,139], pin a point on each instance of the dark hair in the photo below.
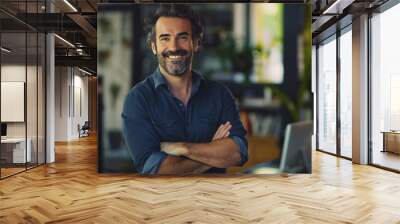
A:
[175,10]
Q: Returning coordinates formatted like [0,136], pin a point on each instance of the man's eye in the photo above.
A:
[184,37]
[164,39]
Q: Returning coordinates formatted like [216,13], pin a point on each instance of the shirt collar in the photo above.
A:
[159,80]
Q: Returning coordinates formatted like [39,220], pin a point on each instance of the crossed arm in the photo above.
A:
[184,157]
[179,158]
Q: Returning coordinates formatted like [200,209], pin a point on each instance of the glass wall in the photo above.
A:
[345,41]
[385,89]
[334,83]
[13,110]
[22,93]
[327,95]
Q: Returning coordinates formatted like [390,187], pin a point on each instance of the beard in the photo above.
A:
[175,67]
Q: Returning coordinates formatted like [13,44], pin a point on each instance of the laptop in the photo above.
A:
[296,152]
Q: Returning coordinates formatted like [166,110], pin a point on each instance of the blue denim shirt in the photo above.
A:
[151,115]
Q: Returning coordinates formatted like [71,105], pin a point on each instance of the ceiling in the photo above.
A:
[73,20]
[328,13]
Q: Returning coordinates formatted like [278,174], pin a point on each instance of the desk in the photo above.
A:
[391,141]
[13,150]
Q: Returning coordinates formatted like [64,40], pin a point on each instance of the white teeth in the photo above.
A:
[174,57]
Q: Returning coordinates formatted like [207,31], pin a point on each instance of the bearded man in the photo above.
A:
[176,121]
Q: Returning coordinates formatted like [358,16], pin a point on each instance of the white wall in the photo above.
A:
[71,87]
[80,94]
[12,100]
[12,73]
[62,81]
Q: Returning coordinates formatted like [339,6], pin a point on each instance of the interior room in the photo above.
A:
[64,78]
[333,56]
[22,99]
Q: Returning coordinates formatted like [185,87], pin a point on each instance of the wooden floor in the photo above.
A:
[71,191]
[10,171]
[386,159]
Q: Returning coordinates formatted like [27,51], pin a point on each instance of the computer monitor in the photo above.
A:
[3,129]
[296,152]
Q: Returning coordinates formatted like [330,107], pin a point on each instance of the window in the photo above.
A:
[385,88]
[346,92]
[327,95]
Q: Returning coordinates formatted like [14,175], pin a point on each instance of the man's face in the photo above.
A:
[174,45]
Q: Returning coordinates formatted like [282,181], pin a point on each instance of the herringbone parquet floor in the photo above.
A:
[71,191]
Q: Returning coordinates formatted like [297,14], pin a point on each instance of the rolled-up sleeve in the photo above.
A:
[242,149]
[140,135]
[230,112]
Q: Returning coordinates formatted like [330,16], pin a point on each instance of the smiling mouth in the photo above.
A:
[175,57]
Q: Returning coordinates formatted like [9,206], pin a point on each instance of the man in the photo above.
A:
[175,121]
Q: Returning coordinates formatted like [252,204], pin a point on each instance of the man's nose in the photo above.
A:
[173,46]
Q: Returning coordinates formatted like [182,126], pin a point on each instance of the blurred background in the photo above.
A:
[260,51]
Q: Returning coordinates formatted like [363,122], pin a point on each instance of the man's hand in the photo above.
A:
[221,152]
[174,148]
[180,149]
[223,131]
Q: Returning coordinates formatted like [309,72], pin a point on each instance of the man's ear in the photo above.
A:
[153,48]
